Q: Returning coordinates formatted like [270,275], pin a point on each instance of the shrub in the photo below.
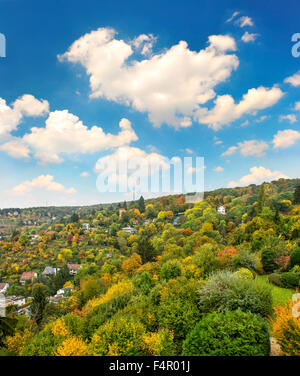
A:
[274,278]
[244,273]
[226,291]
[268,258]
[170,270]
[119,336]
[290,279]
[286,329]
[178,309]
[232,334]
[295,257]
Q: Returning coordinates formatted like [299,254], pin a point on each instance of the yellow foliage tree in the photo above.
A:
[72,347]
[131,265]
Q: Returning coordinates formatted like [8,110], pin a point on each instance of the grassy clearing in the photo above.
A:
[280,295]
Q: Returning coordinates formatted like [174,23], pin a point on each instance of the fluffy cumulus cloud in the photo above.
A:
[226,110]
[252,148]
[258,175]
[65,134]
[45,182]
[286,138]
[294,80]
[249,37]
[11,116]
[169,86]
[290,117]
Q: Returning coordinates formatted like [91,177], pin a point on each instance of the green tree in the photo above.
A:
[40,299]
[145,249]
[141,204]
[297,194]
[268,258]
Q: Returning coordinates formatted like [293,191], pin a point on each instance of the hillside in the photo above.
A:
[149,277]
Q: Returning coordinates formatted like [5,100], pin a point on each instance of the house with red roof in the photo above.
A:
[27,276]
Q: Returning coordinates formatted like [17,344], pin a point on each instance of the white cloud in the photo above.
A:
[248,148]
[245,123]
[219,169]
[230,151]
[293,80]
[189,151]
[226,110]
[65,134]
[257,175]
[45,182]
[144,43]
[261,119]
[85,174]
[290,117]
[286,138]
[233,16]
[297,106]
[153,84]
[15,148]
[11,116]
[245,21]
[249,37]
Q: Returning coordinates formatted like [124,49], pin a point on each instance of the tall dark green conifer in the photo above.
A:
[297,195]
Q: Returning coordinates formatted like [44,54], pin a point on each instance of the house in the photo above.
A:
[50,271]
[3,288]
[14,300]
[64,290]
[121,211]
[73,268]
[129,230]
[86,226]
[221,210]
[56,299]
[27,276]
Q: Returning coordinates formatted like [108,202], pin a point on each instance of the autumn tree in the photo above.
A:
[40,299]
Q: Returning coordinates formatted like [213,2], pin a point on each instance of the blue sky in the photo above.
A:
[228,92]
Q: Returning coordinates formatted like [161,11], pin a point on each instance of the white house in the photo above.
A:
[221,210]
[129,230]
[50,271]
[86,226]
[15,300]
[3,288]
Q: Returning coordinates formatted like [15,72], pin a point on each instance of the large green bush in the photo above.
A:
[228,291]
[232,334]
[268,258]
[295,257]
[170,269]
[290,279]
[274,278]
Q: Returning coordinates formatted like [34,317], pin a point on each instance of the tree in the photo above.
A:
[74,218]
[268,258]
[295,257]
[261,198]
[297,194]
[231,334]
[145,249]
[141,204]
[40,299]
